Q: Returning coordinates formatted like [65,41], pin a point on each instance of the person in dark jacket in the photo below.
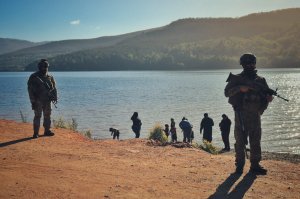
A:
[173,131]
[136,124]
[167,130]
[206,125]
[186,127]
[115,133]
[225,130]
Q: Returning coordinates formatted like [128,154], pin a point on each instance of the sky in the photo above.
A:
[52,20]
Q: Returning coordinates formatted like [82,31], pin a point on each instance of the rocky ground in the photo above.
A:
[69,165]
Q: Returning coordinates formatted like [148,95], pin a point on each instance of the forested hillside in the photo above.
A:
[191,44]
[17,60]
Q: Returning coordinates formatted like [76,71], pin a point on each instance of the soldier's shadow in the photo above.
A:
[4,144]
[239,190]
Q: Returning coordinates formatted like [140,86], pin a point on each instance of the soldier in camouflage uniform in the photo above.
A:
[42,90]
[248,104]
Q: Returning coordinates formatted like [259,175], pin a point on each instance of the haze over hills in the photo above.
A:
[9,45]
[185,44]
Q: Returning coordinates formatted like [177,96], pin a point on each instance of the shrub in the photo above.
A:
[87,133]
[208,147]
[60,123]
[157,134]
[73,125]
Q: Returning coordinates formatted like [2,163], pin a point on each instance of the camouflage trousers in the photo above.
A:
[45,108]
[252,126]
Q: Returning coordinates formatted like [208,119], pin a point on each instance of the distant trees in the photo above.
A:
[186,44]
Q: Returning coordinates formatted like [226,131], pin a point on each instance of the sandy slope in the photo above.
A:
[71,166]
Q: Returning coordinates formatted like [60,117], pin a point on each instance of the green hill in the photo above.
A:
[17,60]
[185,44]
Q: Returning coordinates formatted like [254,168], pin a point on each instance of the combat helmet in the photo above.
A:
[43,63]
[247,58]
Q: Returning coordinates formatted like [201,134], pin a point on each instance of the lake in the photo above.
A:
[100,100]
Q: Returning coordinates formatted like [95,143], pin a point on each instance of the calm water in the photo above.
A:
[99,100]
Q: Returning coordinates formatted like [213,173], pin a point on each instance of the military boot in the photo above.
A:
[258,169]
[48,133]
[35,131]
[239,167]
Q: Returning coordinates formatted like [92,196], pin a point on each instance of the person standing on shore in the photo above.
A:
[136,124]
[186,127]
[173,131]
[42,91]
[167,130]
[225,130]
[248,103]
[206,125]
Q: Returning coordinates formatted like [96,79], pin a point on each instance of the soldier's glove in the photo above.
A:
[33,105]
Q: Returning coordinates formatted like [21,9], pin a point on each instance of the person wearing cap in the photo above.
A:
[248,105]
[42,90]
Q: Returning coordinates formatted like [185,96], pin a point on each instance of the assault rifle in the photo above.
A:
[51,92]
[255,86]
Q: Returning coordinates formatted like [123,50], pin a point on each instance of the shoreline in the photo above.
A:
[69,165]
[288,157]
[266,155]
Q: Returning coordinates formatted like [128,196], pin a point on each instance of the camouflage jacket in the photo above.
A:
[254,100]
[40,86]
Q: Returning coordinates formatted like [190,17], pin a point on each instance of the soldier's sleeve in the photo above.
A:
[265,82]
[265,102]
[54,87]
[31,89]
[231,89]
[53,82]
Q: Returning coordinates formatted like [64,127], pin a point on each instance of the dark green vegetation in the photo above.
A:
[186,44]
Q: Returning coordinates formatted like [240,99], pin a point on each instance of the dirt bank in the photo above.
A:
[68,165]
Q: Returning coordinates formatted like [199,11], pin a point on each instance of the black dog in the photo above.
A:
[115,133]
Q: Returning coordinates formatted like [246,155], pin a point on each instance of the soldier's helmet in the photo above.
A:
[247,58]
[43,63]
